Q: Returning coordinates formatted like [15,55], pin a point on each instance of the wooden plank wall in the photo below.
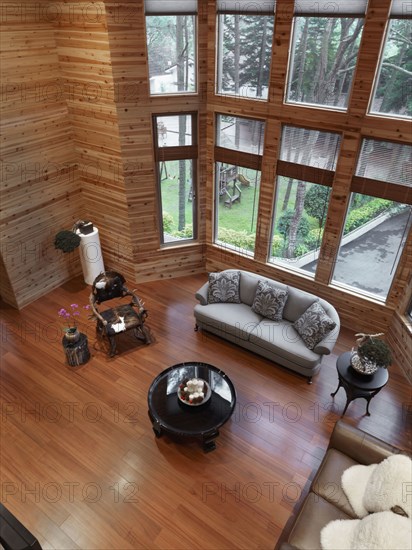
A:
[40,192]
[90,92]
[135,107]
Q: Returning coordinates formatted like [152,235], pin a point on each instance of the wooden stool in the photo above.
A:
[77,353]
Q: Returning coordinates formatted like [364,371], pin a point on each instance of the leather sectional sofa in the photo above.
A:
[326,500]
[275,340]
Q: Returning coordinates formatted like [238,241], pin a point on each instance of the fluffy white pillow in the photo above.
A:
[354,482]
[381,531]
[389,485]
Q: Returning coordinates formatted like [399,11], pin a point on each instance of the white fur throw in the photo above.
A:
[390,484]
[354,482]
[380,531]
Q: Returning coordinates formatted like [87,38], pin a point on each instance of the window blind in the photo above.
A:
[321,8]
[385,161]
[170,7]
[401,8]
[310,147]
[264,7]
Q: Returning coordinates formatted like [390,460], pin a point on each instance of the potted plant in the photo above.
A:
[71,333]
[371,353]
[69,240]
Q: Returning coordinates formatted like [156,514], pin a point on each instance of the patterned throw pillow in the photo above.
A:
[314,325]
[224,288]
[269,301]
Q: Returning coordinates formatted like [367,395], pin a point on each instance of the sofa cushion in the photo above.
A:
[248,286]
[297,303]
[282,339]
[314,325]
[224,287]
[269,300]
[313,516]
[328,484]
[236,319]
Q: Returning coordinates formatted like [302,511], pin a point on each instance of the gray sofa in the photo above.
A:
[275,340]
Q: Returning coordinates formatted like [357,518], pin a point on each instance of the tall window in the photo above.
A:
[244,46]
[171,45]
[324,51]
[239,146]
[304,176]
[392,91]
[376,227]
[176,156]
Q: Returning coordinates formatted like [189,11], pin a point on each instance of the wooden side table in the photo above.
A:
[356,384]
[77,353]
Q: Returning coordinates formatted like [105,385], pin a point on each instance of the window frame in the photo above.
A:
[377,75]
[176,153]
[291,61]
[378,189]
[235,158]
[307,174]
[220,32]
[196,54]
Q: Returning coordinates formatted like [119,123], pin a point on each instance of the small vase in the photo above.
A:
[363,366]
[72,335]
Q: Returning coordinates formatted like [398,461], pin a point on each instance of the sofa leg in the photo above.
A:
[310,380]
[196,327]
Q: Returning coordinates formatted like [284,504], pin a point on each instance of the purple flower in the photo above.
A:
[74,306]
[62,312]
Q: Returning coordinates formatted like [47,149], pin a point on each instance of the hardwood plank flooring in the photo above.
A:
[81,468]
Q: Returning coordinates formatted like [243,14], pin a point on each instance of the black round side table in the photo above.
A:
[356,384]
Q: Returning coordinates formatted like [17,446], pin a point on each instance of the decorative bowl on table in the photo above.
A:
[194,392]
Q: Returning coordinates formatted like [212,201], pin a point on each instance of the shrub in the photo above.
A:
[186,233]
[300,250]
[240,239]
[366,213]
[313,239]
[168,222]
[277,246]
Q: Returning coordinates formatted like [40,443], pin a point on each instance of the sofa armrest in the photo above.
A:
[201,294]
[362,447]
[287,546]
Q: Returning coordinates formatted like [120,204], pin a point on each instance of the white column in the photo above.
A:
[90,255]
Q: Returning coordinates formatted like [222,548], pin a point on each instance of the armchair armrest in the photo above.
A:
[362,447]
[201,294]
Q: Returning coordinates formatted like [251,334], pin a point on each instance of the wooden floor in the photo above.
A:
[81,468]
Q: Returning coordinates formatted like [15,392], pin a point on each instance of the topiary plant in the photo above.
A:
[66,240]
[372,349]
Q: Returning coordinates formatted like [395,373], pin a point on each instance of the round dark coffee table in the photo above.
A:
[169,415]
[356,384]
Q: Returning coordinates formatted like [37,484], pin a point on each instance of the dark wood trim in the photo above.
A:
[305,173]
[238,158]
[382,189]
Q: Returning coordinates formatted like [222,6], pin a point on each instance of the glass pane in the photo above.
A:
[299,221]
[385,161]
[240,134]
[171,52]
[393,88]
[373,239]
[310,147]
[244,53]
[237,197]
[173,131]
[323,60]
[176,177]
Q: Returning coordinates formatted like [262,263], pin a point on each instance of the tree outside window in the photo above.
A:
[392,93]
[243,55]
[323,60]
[171,47]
